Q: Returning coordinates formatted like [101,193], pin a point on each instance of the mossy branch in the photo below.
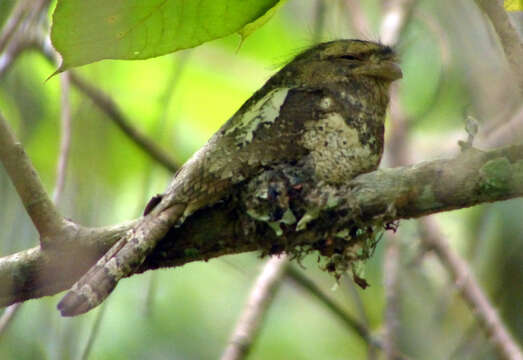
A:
[473,177]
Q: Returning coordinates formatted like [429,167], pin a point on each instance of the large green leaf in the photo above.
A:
[85,31]
[248,29]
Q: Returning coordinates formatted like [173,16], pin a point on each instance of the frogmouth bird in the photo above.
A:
[324,110]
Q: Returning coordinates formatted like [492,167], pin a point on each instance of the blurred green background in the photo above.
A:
[452,66]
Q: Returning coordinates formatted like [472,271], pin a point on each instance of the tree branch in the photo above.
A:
[108,106]
[28,185]
[13,22]
[473,177]
[471,291]
[351,323]
[508,35]
[105,103]
[260,298]
[65,139]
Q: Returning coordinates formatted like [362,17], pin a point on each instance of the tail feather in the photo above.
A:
[120,261]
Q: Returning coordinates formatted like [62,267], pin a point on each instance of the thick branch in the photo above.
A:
[473,177]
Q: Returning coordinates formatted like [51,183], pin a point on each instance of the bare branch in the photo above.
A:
[20,30]
[391,270]
[13,22]
[351,323]
[37,203]
[105,103]
[95,330]
[11,311]
[508,35]
[7,317]
[108,106]
[471,291]
[260,298]
[509,132]
[352,287]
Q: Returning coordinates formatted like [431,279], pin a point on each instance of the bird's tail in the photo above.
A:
[120,261]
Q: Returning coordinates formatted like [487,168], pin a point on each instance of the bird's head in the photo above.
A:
[339,59]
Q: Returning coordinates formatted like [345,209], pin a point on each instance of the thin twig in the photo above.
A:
[65,138]
[351,323]
[100,99]
[509,132]
[7,317]
[260,298]
[25,15]
[111,109]
[372,353]
[95,330]
[13,22]
[15,48]
[508,36]
[108,106]
[19,34]
[391,269]
[471,291]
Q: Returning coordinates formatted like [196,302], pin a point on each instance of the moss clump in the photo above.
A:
[191,252]
[289,200]
[496,175]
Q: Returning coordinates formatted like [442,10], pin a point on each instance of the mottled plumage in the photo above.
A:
[324,110]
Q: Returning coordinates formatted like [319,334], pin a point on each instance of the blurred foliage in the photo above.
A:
[5,8]
[514,5]
[180,100]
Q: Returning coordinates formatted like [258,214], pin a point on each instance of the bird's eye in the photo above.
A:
[349,57]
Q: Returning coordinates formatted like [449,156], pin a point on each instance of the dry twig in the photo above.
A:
[508,36]
[260,298]
[471,291]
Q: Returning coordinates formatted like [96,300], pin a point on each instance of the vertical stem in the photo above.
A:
[65,138]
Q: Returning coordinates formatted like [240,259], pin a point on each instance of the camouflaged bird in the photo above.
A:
[324,110]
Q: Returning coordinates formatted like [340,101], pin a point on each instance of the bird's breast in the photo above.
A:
[336,150]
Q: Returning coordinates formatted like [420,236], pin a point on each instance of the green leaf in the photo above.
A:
[514,5]
[256,24]
[87,31]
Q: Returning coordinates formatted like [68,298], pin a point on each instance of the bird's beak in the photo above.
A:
[391,70]
[386,69]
